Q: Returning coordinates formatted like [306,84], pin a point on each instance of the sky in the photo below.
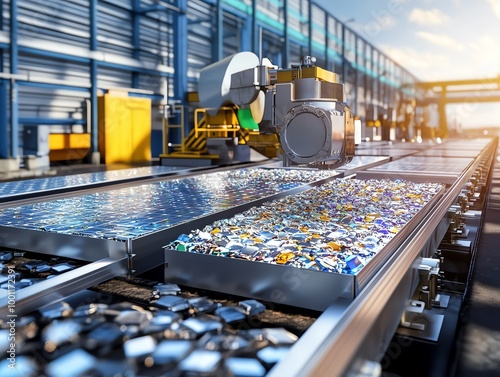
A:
[434,40]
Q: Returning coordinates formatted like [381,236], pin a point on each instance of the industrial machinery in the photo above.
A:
[303,105]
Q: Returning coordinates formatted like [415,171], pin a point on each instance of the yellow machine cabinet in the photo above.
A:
[124,128]
[64,147]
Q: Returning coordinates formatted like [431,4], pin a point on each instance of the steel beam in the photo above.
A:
[255,37]
[327,42]
[218,22]
[435,84]
[462,99]
[245,37]
[180,50]
[286,45]
[50,121]
[4,131]
[48,291]
[309,28]
[94,131]
[4,122]
[14,105]
[136,37]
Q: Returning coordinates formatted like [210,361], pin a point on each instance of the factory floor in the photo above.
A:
[478,347]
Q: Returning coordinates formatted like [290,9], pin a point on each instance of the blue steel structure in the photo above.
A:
[13,56]
[56,57]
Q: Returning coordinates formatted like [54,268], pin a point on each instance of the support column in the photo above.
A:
[286,45]
[180,79]
[14,105]
[354,105]
[255,37]
[309,28]
[327,41]
[245,37]
[136,38]
[344,59]
[94,121]
[443,122]
[218,44]
[4,121]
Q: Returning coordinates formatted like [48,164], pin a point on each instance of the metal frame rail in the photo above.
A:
[48,291]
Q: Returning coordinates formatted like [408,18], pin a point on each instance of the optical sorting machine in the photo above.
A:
[124,230]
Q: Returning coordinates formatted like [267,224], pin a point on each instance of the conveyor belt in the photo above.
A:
[16,190]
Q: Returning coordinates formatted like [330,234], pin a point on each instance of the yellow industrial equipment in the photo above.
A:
[224,124]
[229,122]
[124,128]
[68,146]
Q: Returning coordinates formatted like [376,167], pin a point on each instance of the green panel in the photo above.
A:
[246,120]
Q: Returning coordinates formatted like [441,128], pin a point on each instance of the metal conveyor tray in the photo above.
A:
[333,237]
[420,169]
[15,190]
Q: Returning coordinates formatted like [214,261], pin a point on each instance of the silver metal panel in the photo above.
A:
[64,245]
[47,103]
[114,78]
[448,152]
[318,33]
[199,38]
[59,22]
[420,169]
[156,37]
[297,22]
[231,27]
[385,151]
[50,20]
[363,162]
[271,9]
[31,187]
[115,28]
[474,144]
